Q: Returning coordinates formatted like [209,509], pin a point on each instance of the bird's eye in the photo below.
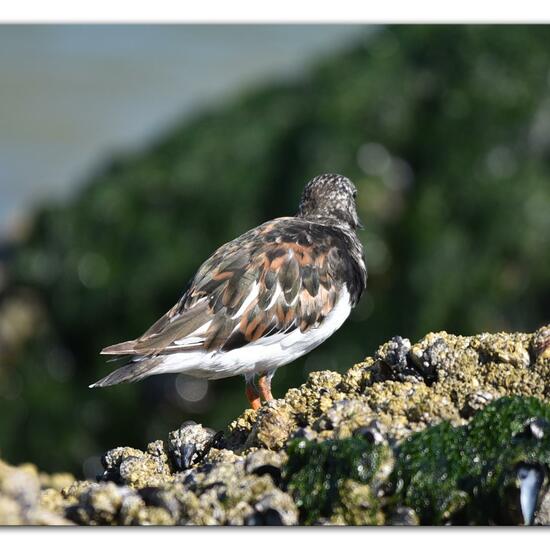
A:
[355,194]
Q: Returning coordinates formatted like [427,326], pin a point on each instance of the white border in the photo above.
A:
[281,11]
[266,538]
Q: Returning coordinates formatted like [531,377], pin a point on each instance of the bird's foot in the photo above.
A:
[260,392]
[264,385]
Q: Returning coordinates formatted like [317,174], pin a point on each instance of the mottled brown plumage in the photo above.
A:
[286,275]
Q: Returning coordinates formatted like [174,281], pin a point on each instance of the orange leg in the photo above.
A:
[264,385]
[252,395]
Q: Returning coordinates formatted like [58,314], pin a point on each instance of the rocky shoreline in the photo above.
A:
[449,430]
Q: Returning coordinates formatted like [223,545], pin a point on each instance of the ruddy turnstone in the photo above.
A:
[262,300]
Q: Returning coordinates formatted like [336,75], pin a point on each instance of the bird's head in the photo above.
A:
[330,196]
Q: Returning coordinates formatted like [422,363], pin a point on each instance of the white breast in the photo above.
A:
[260,356]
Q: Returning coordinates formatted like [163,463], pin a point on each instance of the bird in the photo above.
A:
[261,300]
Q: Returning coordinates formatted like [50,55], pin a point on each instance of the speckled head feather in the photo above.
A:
[330,196]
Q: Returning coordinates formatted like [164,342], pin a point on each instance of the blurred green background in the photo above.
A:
[445,130]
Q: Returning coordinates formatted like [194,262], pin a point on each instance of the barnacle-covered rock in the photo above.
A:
[263,461]
[316,396]
[403,515]
[239,429]
[275,508]
[344,417]
[190,444]
[475,402]
[358,505]
[274,424]
[540,344]
[540,353]
[500,348]
[136,468]
[542,514]
[392,362]
[20,498]
[111,504]
[461,375]
[55,481]
[447,430]
[224,494]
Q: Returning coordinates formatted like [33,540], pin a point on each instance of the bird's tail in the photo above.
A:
[124,348]
[136,369]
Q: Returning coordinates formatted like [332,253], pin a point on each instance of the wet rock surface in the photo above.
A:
[447,430]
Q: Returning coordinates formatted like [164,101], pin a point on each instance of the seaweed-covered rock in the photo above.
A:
[337,477]
[490,471]
[447,430]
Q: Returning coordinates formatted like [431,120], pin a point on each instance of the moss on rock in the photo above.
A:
[320,477]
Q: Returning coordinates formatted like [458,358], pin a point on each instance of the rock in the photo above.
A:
[542,516]
[390,441]
[225,495]
[136,468]
[500,348]
[403,515]
[274,424]
[109,504]
[392,362]
[265,462]
[540,344]
[56,481]
[475,402]
[344,418]
[189,444]
[20,498]
[315,473]
[501,441]
[359,505]
[276,508]
[315,396]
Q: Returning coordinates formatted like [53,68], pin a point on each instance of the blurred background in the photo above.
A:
[128,154]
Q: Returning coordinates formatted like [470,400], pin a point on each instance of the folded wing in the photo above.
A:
[272,280]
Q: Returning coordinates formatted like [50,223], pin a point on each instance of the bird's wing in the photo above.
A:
[283,276]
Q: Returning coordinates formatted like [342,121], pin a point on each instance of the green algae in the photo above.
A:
[469,474]
[318,476]
[446,474]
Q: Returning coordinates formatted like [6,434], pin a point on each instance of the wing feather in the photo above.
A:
[277,278]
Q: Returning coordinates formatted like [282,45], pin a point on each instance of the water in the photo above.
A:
[72,94]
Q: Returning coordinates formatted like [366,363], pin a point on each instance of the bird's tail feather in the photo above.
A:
[124,348]
[133,371]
